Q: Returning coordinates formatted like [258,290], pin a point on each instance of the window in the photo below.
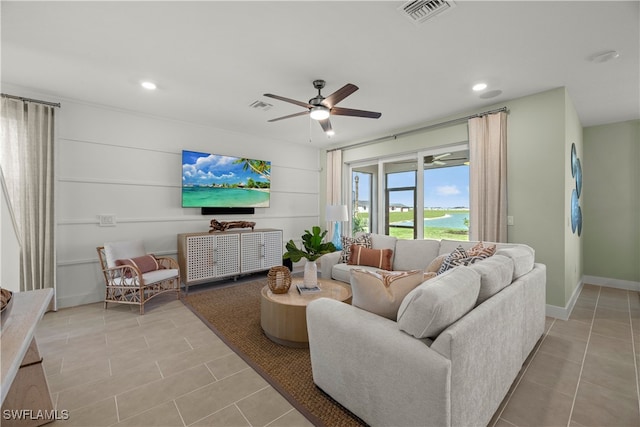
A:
[391,189]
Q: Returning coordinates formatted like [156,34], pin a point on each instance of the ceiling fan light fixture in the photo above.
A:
[319,113]
[479,86]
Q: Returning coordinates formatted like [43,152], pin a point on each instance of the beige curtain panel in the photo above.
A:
[26,159]
[334,183]
[488,177]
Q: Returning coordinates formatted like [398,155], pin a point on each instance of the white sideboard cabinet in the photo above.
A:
[205,257]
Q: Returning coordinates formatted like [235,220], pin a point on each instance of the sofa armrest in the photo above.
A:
[378,372]
[327,261]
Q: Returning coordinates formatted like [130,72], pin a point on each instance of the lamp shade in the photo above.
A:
[337,213]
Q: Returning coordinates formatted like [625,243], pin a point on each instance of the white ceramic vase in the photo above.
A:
[310,274]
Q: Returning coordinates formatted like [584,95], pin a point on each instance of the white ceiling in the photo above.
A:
[212,59]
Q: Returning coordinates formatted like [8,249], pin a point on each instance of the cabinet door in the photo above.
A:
[212,256]
[227,254]
[200,256]
[252,252]
[273,248]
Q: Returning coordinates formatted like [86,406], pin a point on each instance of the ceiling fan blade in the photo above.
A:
[339,111]
[339,95]
[302,113]
[326,125]
[292,101]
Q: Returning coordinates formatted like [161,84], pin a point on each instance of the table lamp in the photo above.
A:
[337,214]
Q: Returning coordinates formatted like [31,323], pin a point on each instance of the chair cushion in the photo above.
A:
[380,258]
[144,263]
[434,305]
[381,292]
[122,250]
[151,277]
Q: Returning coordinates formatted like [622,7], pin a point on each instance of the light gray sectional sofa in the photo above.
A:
[458,344]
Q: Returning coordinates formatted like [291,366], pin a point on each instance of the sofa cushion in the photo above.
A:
[415,254]
[380,258]
[495,274]
[523,258]
[434,305]
[447,246]
[362,240]
[342,271]
[381,292]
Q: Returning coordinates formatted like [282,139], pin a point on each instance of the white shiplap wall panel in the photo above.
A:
[129,164]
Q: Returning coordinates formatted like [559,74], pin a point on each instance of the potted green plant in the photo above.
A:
[314,247]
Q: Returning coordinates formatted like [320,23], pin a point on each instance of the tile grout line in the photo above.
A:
[584,357]
[518,380]
[633,347]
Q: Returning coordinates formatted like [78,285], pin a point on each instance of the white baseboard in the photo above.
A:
[563,313]
[629,285]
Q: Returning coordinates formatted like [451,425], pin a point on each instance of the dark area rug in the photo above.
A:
[233,313]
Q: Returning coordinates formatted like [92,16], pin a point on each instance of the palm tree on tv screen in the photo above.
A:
[261,167]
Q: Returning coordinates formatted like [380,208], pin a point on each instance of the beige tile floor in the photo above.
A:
[166,368]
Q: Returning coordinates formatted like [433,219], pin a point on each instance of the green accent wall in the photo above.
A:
[541,129]
[612,201]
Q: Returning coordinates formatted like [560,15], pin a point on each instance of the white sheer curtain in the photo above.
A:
[488,177]
[334,183]
[26,160]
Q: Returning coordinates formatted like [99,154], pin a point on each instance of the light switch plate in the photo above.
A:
[107,220]
[509,220]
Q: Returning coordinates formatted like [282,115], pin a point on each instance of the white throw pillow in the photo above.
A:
[382,292]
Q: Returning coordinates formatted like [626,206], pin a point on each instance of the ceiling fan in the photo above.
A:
[320,108]
[438,160]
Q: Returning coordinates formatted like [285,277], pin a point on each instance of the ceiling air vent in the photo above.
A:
[261,105]
[419,11]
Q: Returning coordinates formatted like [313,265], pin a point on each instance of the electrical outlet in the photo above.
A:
[509,220]
[107,220]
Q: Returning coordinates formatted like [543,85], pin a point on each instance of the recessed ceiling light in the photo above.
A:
[148,85]
[478,87]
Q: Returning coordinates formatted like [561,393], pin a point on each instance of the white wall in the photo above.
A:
[129,164]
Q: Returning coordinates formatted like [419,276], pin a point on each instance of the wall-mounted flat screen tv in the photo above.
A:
[211,180]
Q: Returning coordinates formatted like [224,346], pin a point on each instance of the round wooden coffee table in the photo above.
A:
[283,317]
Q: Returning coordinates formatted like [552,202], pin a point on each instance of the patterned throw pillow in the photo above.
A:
[382,292]
[482,251]
[380,258]
[462,257]
[144,264]
[361,240]
[453,259]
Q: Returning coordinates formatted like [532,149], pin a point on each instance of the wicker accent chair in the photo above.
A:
[131,283]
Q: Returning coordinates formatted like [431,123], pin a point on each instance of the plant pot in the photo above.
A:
[310,274]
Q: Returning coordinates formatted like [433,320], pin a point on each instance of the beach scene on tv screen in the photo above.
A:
[210,180]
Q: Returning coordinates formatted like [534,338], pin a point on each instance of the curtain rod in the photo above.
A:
[436,125]
[37,101]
